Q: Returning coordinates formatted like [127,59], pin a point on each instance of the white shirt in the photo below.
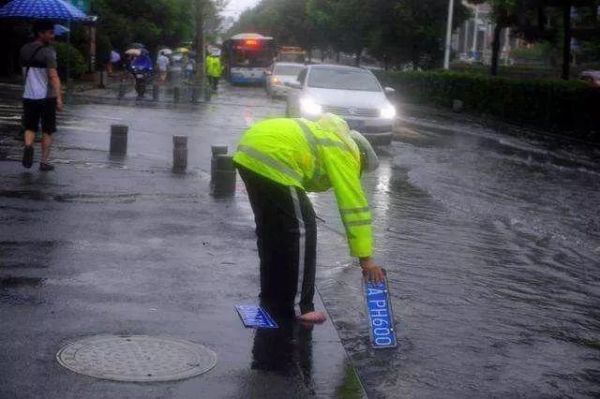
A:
[37,82]
[163,62]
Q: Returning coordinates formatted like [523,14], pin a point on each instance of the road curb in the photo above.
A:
[420,126]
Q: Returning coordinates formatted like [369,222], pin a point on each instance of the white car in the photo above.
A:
[282,73]
[352,93]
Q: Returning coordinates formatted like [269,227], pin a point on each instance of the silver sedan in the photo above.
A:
[352,93]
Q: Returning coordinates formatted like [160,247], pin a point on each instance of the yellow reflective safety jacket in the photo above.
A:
[297,152]
[213,66]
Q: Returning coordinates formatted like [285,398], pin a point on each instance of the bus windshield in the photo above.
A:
[251,54]
[251,58]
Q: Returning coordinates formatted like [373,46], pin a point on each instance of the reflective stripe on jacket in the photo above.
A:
[213,66]
[297,152]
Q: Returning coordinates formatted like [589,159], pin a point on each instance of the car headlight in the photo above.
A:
[310,107]
[275,80]
[388,112]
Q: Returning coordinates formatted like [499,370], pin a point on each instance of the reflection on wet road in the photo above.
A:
[493,261]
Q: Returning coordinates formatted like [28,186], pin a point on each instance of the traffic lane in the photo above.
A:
[129,248]
[492,241]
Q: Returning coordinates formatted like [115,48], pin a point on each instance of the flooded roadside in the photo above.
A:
[492,256]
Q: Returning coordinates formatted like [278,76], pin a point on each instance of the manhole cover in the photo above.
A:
[136,358]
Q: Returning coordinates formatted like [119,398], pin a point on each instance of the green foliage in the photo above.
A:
[103,49]
[351,387]
[151,22]
[552,104]
[68,55]
[413,31]
[542,53]
[522,71]
[401,30]
[285,20]
[589,52]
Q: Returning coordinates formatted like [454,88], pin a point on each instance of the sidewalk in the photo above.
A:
[126,247]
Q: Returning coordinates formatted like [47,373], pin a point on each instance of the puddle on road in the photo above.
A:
[35,195]
[16,282]
[16,255]
[491,249]
[492,268]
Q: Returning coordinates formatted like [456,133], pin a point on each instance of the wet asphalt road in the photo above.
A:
[491,242]
[126,247]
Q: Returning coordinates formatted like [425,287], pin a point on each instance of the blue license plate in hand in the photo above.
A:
[381,318]
[254,316]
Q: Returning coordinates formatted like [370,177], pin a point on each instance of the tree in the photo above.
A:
[504,15]
[352,24]
[568,9]
[413,31]
[400,30]
[319,14]
[153,22]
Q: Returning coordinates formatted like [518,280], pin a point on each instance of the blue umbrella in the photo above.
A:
[57,10]
[42,9]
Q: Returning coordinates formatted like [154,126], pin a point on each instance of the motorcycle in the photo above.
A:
[142,69]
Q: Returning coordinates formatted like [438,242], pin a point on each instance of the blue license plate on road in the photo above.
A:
[381,317]
[255,317]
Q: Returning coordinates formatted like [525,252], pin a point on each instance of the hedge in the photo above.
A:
[76,61]
[570,107]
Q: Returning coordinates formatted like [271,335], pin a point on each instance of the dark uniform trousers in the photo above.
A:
[287,239]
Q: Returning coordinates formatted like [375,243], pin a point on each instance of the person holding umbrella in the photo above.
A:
[42,95]
[163,65]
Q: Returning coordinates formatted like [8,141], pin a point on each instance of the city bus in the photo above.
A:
[247,57]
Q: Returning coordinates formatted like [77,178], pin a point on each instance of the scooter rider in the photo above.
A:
[280,160]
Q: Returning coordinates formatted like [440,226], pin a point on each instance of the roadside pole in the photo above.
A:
[68,90]
[449,35]
[204,80]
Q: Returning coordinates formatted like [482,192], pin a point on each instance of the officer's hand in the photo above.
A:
[371,271]
[60,106]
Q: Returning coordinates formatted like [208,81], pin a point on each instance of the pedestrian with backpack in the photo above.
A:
[42,95]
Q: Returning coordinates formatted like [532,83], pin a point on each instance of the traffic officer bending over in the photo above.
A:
[280,160]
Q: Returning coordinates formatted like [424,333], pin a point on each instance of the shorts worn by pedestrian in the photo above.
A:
[41,96]
[280,160]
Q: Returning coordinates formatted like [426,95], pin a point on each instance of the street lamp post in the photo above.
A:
[449,35]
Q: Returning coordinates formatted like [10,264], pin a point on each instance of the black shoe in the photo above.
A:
[46,167]
[28,156]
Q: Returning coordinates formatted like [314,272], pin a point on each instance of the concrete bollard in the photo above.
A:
[180,153]
[216,151]
[118,139]
[457,105]
[122,90]
[207,92]
[224,176]
[156,92]
[176,94]
[196,94]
